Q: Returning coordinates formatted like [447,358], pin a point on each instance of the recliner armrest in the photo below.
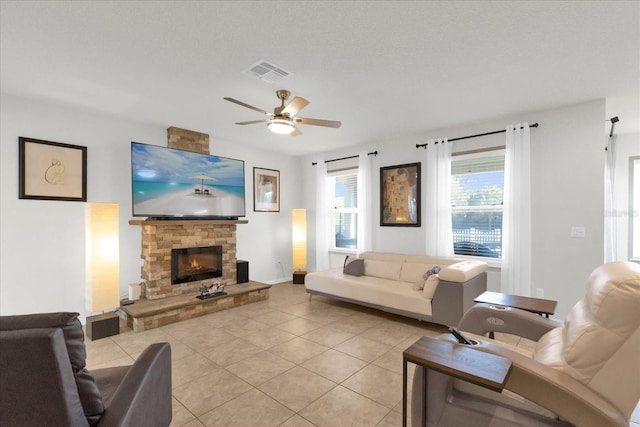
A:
[557,391]
[483,318]
[144,395]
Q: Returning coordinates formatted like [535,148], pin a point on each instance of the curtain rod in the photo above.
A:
[374,153]
[535,125]
[613,121]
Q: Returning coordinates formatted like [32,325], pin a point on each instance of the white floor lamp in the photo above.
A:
[102,269]
[299,241]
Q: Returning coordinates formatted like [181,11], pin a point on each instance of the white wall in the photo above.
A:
[42,258]
[42,242]
[567,190]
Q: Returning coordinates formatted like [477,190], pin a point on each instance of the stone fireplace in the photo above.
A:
[166,300]
[164,303]
[160,238]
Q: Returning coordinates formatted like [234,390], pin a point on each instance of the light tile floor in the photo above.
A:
[288,361]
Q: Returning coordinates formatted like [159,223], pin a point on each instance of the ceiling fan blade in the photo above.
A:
[295,106]
[251,122]
[296,132]
[318,122]
[251,107]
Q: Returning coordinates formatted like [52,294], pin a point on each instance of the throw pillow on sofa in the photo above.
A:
[419,285]
[353,266]
[430,286]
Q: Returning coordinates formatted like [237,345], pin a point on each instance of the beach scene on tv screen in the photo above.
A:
[168,182]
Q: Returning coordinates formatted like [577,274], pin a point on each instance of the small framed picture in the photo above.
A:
[52,170]
[266,190]
[400,195]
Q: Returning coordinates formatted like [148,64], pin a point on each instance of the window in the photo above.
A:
[344,204]
[477,184]
[634,209]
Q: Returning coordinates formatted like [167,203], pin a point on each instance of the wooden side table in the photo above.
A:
[543,307]
[457,360]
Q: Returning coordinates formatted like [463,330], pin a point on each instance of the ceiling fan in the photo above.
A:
[283,119]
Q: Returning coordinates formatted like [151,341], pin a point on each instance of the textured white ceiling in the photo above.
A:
[385,69]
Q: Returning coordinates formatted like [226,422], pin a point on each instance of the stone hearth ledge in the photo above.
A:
[147,314]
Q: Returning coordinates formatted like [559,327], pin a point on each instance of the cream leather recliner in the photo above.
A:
[583,373]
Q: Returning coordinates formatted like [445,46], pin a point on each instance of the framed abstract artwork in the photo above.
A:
[266,190]
[400,195]
[52,170]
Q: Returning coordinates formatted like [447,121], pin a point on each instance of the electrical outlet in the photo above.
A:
[539,293]
[578,232]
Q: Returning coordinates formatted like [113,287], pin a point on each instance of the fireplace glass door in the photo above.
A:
[192,264]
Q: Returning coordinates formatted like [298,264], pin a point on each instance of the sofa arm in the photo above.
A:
[462,271]
[452,299]
[143,397]
[485,318]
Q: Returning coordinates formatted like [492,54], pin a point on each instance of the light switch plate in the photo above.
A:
[578,232]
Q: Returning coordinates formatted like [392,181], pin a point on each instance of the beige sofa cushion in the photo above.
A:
[412,272]
[435,260]
[382,269]
[410,268]
[382,256]
[371,290]
[415,259]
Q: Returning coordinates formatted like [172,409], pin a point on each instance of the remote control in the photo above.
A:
[461,338]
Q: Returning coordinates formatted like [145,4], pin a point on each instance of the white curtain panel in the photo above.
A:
[365,220]
[437,204]
[516,220]
[610,228]
[322,216]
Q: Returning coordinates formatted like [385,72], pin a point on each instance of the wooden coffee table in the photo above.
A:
[457,360]
[543,307]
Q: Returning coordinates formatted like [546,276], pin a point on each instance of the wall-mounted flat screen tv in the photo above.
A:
[171,184]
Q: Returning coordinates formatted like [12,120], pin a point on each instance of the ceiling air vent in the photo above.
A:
[264,70]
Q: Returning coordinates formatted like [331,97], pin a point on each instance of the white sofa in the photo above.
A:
[390,282]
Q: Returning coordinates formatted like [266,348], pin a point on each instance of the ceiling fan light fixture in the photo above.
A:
[283,120]
[281,126]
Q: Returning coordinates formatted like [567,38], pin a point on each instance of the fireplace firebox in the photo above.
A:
[192,264]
